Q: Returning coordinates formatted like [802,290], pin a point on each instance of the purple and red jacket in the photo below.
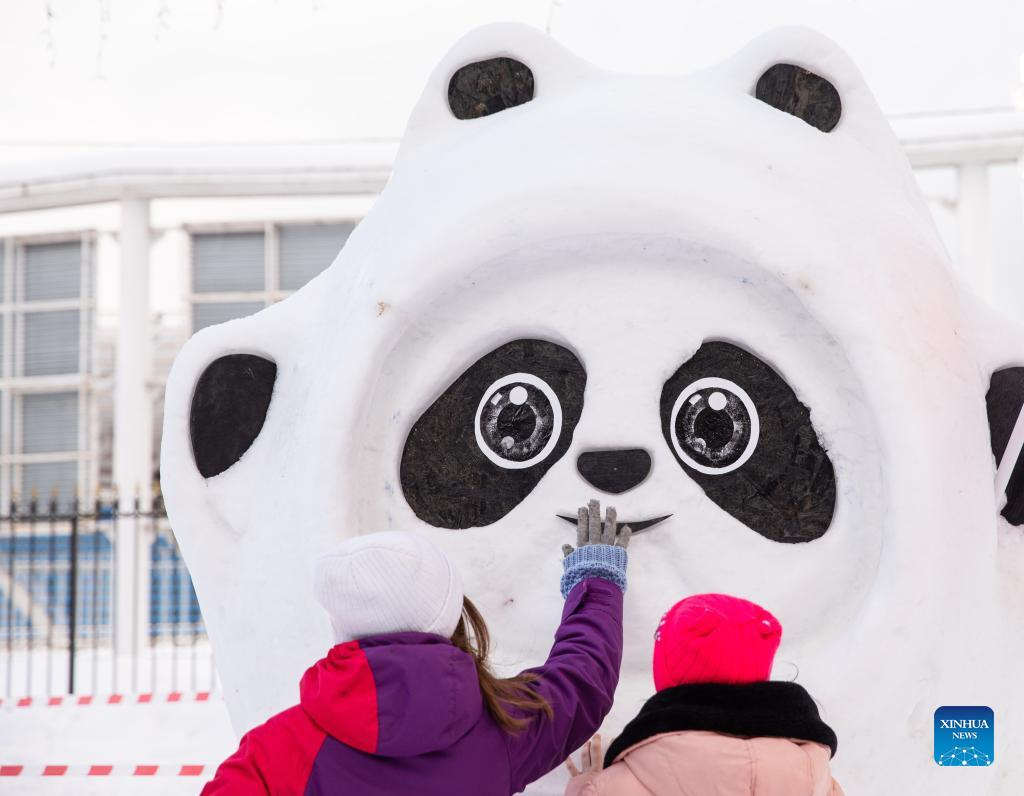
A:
[402,714]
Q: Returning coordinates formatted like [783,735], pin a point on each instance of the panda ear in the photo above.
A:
[493,70]
[801,93]
[797,73]
[1004,402]
[483,88]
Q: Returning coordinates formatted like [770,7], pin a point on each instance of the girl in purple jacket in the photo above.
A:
[405,702]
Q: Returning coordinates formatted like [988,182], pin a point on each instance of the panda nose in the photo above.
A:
[614,471]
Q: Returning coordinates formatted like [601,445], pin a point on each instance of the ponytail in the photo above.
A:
[499,694]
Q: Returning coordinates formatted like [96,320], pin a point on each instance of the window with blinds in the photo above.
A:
[49,422]
[45,480]
[51,345]
[229,262]
[212,313]
[53,271]
[239,273]
[307,249]
[45,323]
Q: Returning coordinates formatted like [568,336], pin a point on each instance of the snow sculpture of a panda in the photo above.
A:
[715,301]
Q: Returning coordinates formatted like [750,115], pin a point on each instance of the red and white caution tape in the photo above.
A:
[109,699]
[161,770]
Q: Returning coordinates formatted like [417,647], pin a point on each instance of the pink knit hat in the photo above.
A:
[715,638]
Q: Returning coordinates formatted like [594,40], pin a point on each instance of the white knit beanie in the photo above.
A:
[388,582]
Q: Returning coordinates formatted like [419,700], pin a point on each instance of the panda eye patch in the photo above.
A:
[739,431]
[485,443]
[229,408]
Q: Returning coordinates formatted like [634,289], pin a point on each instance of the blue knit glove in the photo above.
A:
[600,550]
[606,561]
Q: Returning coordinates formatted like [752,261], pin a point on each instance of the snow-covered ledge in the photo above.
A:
[103,175]
[954,139]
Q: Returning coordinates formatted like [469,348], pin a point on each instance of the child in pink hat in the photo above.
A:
[717,724]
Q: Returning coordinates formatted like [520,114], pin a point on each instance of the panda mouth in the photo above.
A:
[637,526]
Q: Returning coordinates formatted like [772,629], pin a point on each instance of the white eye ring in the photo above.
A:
[556,420]
[755,424]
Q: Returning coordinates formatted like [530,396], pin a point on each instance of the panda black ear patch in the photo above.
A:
[1004,402]
[229,407]
[801,93]
[487,87]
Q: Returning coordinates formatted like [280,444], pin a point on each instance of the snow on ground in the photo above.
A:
[195,733]
[128,734]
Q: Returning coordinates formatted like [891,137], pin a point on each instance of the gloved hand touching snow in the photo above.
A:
[600,550]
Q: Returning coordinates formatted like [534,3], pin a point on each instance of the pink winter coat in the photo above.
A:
[714,739]
[699,763]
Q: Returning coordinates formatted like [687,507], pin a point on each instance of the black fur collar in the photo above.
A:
[754,710]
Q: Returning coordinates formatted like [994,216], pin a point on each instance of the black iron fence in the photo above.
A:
[95,599]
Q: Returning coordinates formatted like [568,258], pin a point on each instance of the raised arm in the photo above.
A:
[579,677]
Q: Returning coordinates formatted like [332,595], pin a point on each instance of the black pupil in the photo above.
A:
[517,422]
[715,428]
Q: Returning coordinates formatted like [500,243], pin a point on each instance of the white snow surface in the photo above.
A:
[125,735]
[631,218]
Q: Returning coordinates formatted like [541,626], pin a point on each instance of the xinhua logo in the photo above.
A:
[965,736]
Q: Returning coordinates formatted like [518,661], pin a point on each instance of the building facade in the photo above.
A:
[107,268]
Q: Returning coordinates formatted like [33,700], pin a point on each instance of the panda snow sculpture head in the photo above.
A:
[715,301]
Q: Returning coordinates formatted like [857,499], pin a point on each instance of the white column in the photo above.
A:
[975,228]
[133,429]
[7,355]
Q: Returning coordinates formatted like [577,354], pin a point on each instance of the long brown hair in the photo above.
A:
[499,694]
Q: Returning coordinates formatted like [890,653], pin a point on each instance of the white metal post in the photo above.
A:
[133,430]
[974,223]
[6,371]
